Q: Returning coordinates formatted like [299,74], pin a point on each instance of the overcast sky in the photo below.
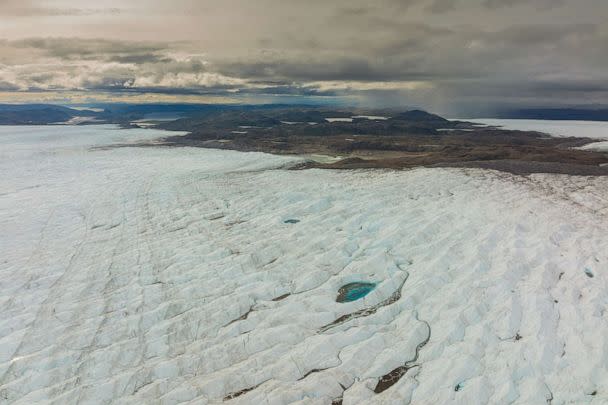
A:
[450,56]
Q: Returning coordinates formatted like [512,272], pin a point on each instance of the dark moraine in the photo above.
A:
[390,379]
[405,140]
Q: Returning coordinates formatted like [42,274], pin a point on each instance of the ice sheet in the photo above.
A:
[169,275]
[581,129]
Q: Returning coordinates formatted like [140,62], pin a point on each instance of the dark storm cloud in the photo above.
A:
[139,58]
[426,52]
[417,56]
[440,6]
[494,4]
[70,48]
[50,8]
[5,86]
[50,12]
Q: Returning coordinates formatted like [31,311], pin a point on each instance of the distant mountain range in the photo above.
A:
[37,114]
[211,115]
[253,115]
[120,113]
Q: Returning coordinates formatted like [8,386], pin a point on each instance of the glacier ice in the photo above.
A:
[167,275]
[557,128]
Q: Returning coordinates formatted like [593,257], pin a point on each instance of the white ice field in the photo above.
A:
[583,129]
[168,275]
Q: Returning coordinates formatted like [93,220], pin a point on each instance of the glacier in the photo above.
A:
[556,128]
[159,275]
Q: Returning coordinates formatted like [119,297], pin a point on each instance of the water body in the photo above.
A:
[354,291]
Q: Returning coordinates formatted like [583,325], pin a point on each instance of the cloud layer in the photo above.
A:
[449,55]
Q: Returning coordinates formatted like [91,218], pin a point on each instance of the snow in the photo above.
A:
[582,129]
[596,146]
[351,119]
[79,120]
[339,119]
[168,275]
[371,117]
[86,108]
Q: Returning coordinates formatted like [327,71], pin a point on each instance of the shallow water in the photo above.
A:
[354,291]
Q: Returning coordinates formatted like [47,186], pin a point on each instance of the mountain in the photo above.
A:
[418,116]
[37,114]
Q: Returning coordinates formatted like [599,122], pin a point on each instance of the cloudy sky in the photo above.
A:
[450,56]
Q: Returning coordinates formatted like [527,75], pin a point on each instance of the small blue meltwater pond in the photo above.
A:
[354,291]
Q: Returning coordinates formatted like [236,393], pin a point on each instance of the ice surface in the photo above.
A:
[351,119]
[596,146]
[371,117]
[339,119]
[168,275]
[581,129]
